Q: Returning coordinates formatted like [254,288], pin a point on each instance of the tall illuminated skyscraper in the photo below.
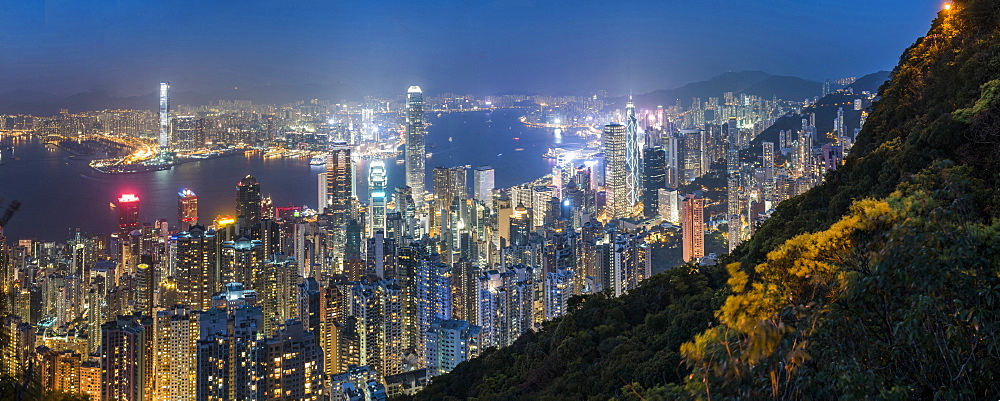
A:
[339,183]
[655,178]
[376,192]
[175,343]
[416,151]
[693,227]
[187,209]
[164,140]
[616,171]
[633,155]
[128,213]
[197,273]
[484,183]
[126,358]
[248,203]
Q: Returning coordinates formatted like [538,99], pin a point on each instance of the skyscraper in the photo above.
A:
[693,227]
[633,155]
[197,272]
[128,213]
[483,184]
[248,203]
[175,343]
[293,365]
[416,152]
[616,171]
[126,358]
[339,182]
[187,209]
[655,178]
[164,141]
[376,192]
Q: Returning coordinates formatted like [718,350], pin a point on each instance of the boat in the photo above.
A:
[400,161]
[317,161]
[429,155]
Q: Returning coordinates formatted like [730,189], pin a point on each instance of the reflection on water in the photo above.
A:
[59,193]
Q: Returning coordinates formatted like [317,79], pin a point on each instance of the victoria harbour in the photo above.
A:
[58,191]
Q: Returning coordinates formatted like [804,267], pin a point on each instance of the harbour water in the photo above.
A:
[59,193]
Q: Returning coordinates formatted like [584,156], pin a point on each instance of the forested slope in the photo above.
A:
[883,282]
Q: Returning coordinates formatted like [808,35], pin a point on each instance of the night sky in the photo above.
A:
[62,47]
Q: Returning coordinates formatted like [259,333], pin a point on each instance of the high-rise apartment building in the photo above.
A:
[693,227]
[126,358]
[449,343]
[197,271]
[248,204]
[175,353]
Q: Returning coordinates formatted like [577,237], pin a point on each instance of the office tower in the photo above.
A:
[734,209]
[616,171]
[145,285]
[229,354]
[655,178]
[633,155]
[248,204]
[673,146]
[669,204]
[416,152]
[309,299]
[449,343]
[293,365]
[128,213]
[381,255]
[694,163]
[693,228]
[175,341]
[339,182]
[197,267]
[483,184]
[520,226]
[187,209]
[377,196]
[126,358]
[379,311]
[768,159]
[321,179]
[505,305]
[164,141]
[733,134]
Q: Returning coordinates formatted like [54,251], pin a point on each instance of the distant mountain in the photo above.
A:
[746,82]
[27,102]
[870,83]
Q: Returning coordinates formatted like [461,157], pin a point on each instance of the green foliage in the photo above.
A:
[607,348]
[883,282]
[897,299]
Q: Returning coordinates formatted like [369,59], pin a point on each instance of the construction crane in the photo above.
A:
[7,214]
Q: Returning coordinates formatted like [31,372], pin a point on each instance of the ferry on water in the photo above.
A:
[317,161]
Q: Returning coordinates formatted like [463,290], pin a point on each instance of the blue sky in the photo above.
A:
[553,46]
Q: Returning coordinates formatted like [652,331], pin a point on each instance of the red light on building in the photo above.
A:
[128,212]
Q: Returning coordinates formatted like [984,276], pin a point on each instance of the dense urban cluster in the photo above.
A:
[373,293]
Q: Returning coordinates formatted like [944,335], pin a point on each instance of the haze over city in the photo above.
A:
[61,47]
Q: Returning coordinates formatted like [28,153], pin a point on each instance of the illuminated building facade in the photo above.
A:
[197,271]
[126,359]
[128,213]
[616,171]
[187,209]
[693,228]
[164,139]
[449,343]
[483,184]
[633,156]
[416,148]
[377,196]
[248,204]
[175,342]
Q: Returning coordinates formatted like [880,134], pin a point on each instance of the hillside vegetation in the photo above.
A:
[882,283]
